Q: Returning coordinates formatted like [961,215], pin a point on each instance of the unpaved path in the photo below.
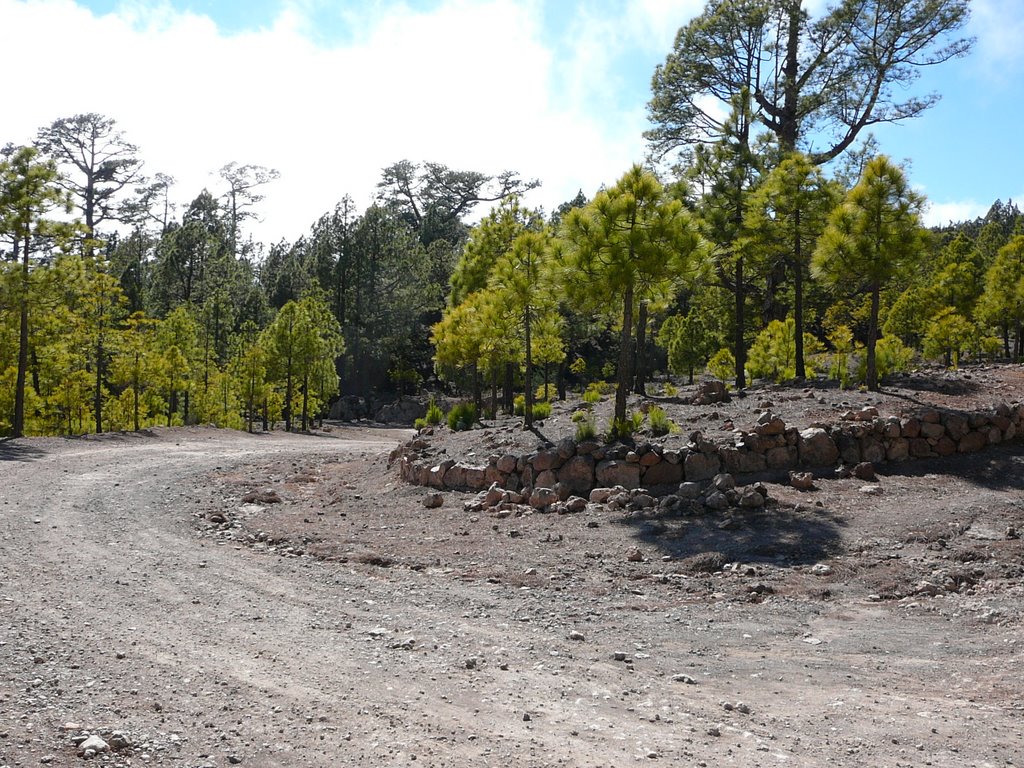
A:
[439,639]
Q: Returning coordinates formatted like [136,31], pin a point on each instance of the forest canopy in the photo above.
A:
[740,247]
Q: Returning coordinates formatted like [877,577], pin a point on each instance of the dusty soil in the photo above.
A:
[284,600]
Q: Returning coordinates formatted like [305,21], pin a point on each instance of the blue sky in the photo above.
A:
[330,92]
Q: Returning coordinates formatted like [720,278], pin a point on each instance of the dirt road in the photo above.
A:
[438,639]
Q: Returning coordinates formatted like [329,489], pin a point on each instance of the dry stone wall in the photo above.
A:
[573,468]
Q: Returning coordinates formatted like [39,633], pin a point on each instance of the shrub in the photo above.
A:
[722,365]
[891,356]
[544,392]
[586,429]
[592,394]
[462,417]
[434,413]
[773,353]
[541,410]
[660,423]
[578,416]
[841,339]
[626,428]
[669,389]
[419,424]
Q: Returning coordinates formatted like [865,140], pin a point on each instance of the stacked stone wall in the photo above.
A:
[575,468]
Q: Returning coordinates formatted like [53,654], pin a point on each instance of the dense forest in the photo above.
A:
[735,248]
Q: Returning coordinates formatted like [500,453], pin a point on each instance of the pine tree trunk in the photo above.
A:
[798,300]
[872,365]
[640,383]
[625,355]
[738,338]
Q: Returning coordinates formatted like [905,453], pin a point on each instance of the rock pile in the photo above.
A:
[576,468]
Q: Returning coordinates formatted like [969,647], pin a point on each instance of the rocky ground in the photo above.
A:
[197,597]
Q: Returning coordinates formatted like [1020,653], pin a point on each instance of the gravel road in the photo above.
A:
[120,616]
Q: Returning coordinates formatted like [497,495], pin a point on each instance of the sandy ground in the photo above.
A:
[220,598]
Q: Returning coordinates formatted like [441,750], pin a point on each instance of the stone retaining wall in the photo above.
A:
[571,468]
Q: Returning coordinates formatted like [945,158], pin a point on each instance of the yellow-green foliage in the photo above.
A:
[722,365]
[773,354]
[891,356]
[586,428]
[544,392]
[434,413]
[669,389]
[592,394]
[660,423]
[541,410]
[626,428]
[461,417]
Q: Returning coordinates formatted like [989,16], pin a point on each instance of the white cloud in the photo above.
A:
[469,84]
[940,214]
[999,28]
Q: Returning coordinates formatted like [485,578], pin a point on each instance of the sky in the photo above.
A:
[329,93]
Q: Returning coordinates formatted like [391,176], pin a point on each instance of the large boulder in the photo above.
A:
[577,474]
[615,472]
[663,473]
[816,448]
[701,466]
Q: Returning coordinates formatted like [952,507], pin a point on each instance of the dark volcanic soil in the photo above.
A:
[284,600]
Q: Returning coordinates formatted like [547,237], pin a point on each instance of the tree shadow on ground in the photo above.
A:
[998,467]
[12,449]
[778,534]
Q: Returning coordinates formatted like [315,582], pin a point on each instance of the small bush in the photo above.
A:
[669,389]
[586,429]
[592,394]
[891,356]
[660,423]
[541,410]
[544,392]
[722,365]
[434,414]
[625,429]
[462,417]
[419,424]
[578,416]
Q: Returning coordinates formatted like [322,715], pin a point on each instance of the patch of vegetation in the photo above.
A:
[624,429]
[586,428]
[461,417]
[660,423]
[722,365]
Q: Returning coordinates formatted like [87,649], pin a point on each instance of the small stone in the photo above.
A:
[865,470]
[689,490]
[234,759]
[871,490]
[433,500]
[619,656]
[635,555]
[802,481]
[751,499]
[821,569]
[577,635]
[715,730]
[120,740]
[683,678]
[716,501]
[94,743]
[526,717]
